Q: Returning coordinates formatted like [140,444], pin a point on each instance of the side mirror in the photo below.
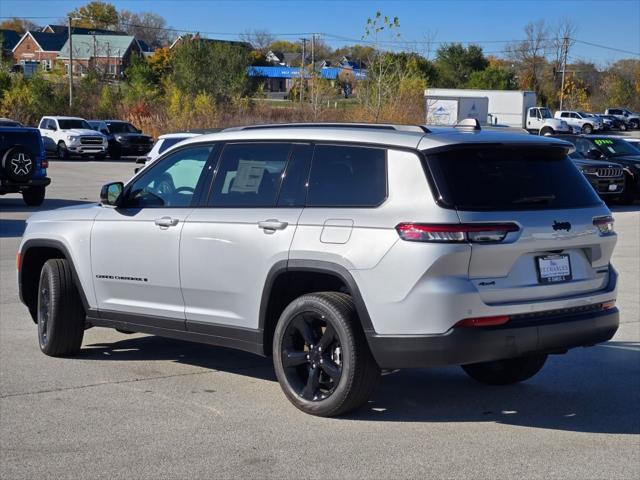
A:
[110,193]
[594,154]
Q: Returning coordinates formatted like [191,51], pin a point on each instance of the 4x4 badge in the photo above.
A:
[561,225]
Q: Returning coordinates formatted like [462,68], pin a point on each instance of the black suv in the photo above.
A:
[615,150]
[124,138]
[24,168]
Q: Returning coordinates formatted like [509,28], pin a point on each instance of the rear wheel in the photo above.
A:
[506,372]
[635,124]
[33,196]
[115,153]
[627,197]
[546,131]
[321,356]
[61,316]
[586,128]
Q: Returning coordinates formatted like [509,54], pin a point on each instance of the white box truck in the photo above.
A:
[509,108]
[450,110]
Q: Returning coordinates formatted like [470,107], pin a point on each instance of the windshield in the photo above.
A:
[121,127]
[68,124]
[585,114]
[480,178]
[546,113]
[613,147]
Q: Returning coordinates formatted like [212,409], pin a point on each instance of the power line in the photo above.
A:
[606,47]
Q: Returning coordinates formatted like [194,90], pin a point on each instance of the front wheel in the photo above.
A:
[33,196]
[506,372]
[62,152]
[321,356]
[61,316]
[586,128]
[546,131]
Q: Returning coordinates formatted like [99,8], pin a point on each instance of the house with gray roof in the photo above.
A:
[38,49]
[108,54]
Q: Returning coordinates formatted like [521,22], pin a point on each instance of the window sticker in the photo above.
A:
[248,177]
[603,141]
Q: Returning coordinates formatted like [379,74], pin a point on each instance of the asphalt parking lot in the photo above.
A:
[136,406]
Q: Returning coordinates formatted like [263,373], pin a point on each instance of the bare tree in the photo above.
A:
[530,54]
[259,39]
[147,26]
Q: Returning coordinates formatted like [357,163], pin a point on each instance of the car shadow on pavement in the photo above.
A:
[17,205]
[625,208]
[595,390]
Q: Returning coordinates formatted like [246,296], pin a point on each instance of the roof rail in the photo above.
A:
[365,126]
[468,124]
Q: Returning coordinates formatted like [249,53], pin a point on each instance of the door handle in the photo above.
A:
[272,225]
[166,222]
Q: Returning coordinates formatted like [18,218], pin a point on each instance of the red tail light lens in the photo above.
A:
[482,321]
[44,164]
[604,224]
[609,304]
[455,233]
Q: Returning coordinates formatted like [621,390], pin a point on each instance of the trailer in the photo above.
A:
[508,108]
[450,110]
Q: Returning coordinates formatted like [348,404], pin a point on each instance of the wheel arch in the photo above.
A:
[33,255]
[287,280]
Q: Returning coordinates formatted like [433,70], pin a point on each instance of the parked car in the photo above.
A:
[606,178]
[7,122]
[614,123]
[339,251]
[614,150]
[633,119]
[123,138]
[163,143]
[582,120]
[73,136]
[24,167]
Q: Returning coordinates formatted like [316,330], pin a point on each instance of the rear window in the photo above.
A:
[169,142]
[509,178]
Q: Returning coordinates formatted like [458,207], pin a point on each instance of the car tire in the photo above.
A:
[61,317]
[622,127]
[506,372]
[62,152]
[324,383]
[546,131]
[33,196]
[634,124]
[628,196]
[115,153]
[586,128]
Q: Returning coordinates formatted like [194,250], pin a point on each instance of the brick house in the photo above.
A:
[109,54]
[38,48]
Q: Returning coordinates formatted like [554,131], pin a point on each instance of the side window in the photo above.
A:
[294,186]
[564,115]
[172,182]
[345,176]
[249,175]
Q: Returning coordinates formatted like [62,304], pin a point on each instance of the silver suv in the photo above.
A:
[339,250]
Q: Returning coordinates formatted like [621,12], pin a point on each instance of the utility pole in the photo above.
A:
[70,66]
[313,67]
[565,46]
[304,52]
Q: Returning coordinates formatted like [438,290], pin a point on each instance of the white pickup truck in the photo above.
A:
[586,122]
[71,136]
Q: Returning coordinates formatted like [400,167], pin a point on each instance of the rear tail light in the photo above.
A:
[455,233]
[482,321]
[608,305]
[604,224]
[18,260]
[44,164]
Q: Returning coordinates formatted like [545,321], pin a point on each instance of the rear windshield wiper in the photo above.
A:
[535,199]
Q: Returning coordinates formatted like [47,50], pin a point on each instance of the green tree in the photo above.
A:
[17,24]
[285,46]
[96,15]
[492,78]
[456,63]
[216,68]
[27,100]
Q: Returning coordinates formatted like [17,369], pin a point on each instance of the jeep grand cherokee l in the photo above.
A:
[339,250]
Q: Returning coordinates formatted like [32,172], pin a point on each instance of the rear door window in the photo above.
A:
[249,175]
[509,178]
[347,176]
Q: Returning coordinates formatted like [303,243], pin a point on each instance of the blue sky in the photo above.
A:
[613,23]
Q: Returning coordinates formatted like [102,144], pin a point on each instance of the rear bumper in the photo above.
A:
[9,186]
[460,346]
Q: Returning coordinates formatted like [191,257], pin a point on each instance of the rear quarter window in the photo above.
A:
[347,176]
[509,178]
